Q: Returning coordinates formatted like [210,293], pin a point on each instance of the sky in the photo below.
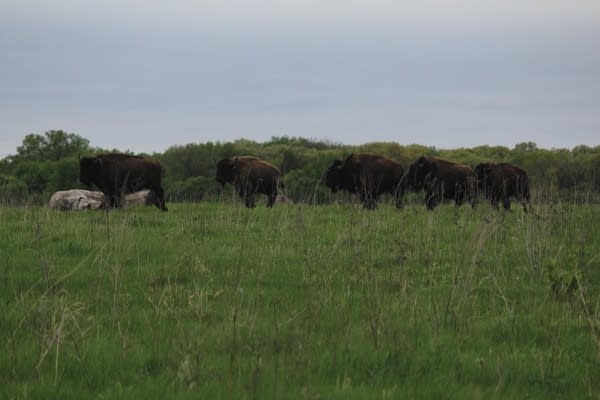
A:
[145,75]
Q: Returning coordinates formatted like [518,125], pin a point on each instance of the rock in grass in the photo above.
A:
[79,199]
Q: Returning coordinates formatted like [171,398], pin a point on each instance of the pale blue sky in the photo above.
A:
[144,75]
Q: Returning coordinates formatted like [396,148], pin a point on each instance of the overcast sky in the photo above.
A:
[144,75]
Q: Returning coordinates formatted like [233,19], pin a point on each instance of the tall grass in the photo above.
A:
[213,300]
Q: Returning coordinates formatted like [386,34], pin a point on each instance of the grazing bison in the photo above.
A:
[502,180]
[118,174]
[442,179]
[250,175]
[367,176]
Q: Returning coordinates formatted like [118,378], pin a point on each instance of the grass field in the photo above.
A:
[212,300]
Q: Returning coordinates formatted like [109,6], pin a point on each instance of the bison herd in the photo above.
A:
[369,176]
[366,175]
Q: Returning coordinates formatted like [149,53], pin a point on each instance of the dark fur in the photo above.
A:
[367,176]
[250,175]
[118,174]
[442,179]
[502,180]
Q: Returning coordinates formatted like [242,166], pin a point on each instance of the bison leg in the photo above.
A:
[272,198]
[372,202]
[494,198]
[249,200]
[246,192]
[471,196]
[430,200]
[524,199]
[398,195]
[159,200]
[364,199]
[494,202]
[374,199]
[399,203]
[369,201]
[113,199]
[435,192]
[459,195]
[495,195]
[472,192]
[241,191]
[459,198]
[505,201]
[248,195]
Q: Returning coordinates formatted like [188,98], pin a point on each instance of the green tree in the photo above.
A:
[52,146]
[525,147]
[45,163]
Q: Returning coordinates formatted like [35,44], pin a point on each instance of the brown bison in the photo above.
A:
[117,174]
[502,180]
[367,176]
[442,179]
[250,175]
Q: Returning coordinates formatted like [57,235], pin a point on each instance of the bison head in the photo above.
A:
[341,175]
[88,169]
[225,170]
[483,172]
[417,173]
[333,176]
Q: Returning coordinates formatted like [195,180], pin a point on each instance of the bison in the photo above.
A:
[442,179]
[502,180]
[118,174]
[367,176]
[250,175]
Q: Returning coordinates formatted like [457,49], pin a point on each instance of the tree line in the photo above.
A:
[46,163]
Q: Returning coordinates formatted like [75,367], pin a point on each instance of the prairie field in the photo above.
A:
[213,300]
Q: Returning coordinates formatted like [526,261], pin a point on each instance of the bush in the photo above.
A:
[12,190]
[190,189]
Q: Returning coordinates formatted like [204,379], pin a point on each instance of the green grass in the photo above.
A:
[213,300]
